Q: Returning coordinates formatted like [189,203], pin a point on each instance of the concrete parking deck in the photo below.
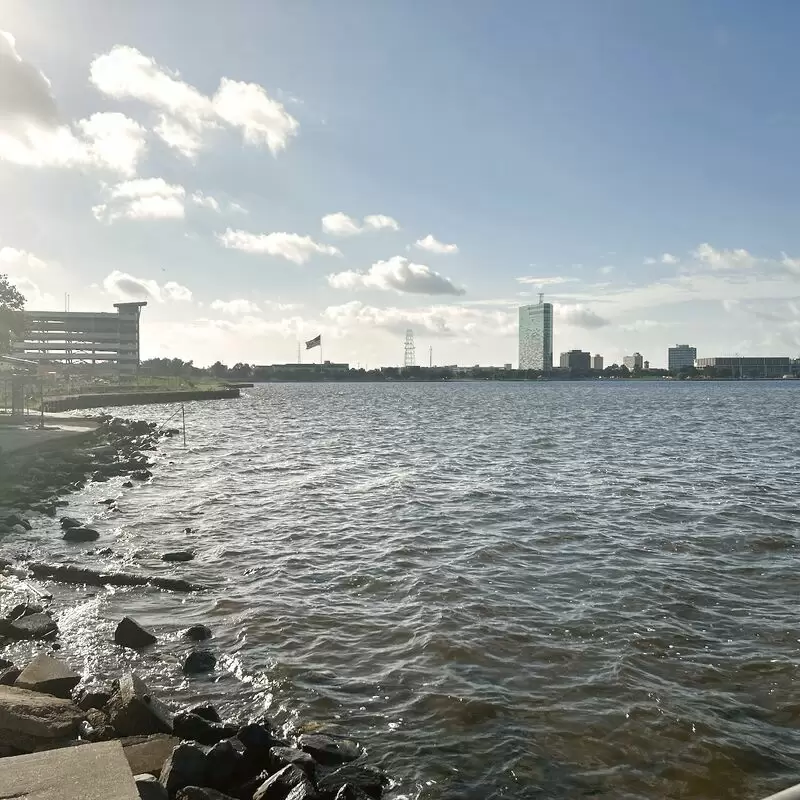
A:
[58,430]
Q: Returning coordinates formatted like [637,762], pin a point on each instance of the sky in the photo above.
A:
[265,171]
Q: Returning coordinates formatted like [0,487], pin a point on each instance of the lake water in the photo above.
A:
[503,590]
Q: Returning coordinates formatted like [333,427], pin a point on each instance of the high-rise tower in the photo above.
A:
[536,336]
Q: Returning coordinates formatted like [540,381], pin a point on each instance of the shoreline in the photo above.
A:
[76,402]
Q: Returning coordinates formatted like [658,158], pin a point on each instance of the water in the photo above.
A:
[522,591]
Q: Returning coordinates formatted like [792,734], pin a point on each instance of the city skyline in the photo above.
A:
[263,189]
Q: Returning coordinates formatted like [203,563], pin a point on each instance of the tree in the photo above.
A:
[12,322]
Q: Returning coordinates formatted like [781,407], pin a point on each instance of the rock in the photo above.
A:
[224,763]
[133,710]
[206,711]
[67,573]
[303,791]
[185,766]
[127,485]
[109,501]
[80,535]
[329,750]
[278,786]
[198,633]
[88,698]
[366,779]
[150,788]
[280,757]
[34,626]
[141,475]
[130,633]
[199,661]
[12,520]
[350,792]
[148,753]
[99,477]
[24,610]
[178,555]
[48,675]
[201,793]
[30,720]
[95,727]
[191,726]
[9,675]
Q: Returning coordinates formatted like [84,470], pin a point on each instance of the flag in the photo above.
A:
[315,342]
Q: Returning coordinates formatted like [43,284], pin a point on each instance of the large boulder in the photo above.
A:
[198,633]
[206,711]
[148,753]
[80,535]
[278,786]
[199,661]
[150,788]
[132,710]
[350,792]
[130,633]
[224,763]
[178,555]
[30,720]
[191,726]
[280,757]
[368,780]
[329,750]
[9,675]
[92,697]
[186,766]
[33,626]
[49,675]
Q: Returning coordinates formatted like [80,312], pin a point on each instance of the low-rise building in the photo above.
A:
[576,360]
[748,366]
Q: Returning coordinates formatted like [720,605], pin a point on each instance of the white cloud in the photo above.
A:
[143,198]
[237,208]
[545,281]
[738,259]
[24,91]
[236,307]
[11,257]
[433,245]
[35,298]
[340,224]
[649,261]
[607,269]
[186,113]
[128,287]
[206,201]
[668,258]
[579,316]
[291,246]
[397,274]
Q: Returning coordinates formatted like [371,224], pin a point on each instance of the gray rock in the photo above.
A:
[130,633]
[329,750]
[278,786]
[9,675]
[88,698]
[280,757]
[366,779]
[80,535]
[201,793]
[24,610]
[70,522]
[178,555]
[191,726]
[198,633]
[148,753]
[303,791]
[127,485]
[31,720]
[224,763]
[133,710]
[200,661]
[48,675]
[150,788]
[206,711]
[350,792]
[186,766]
[34,626]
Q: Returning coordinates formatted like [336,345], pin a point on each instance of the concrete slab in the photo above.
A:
[91,772]
[30,719]
[148,753]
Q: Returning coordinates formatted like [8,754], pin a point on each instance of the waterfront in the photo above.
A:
[527,590]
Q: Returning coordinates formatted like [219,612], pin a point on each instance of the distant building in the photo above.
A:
[82,340]
[646,365]
[311,367]
[597,363]
[749,366]
[633,362]
[536,336]
[508,366]
[680,357]
[576,360]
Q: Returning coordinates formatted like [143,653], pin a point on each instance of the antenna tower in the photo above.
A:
[541,298]
[430,356]
[410,358]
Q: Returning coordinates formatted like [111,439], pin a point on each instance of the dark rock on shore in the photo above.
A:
[49,675]
[141,475]
[279,785]
[80,535]
[127,485]
[130,633]
[178,555]
[206,711]
[9,675]
[224,763]
[132,710]
[368,780]
[198,633]
[280,757]
[33,626]
[199,661]
[191,726]
[186,766]
[23,610]
[66,573]
[149,788]
[87,698]
[350,792]
[329,750]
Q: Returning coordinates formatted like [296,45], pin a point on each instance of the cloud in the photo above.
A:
[580,317]
[25,92]
[11,257]
[206,201]
[340,224]
[186,113]
[396,274]
[649,261]
[607,269]
[237,307]
[34,296]
[128,287]
[433,245]
[142,198]
[724,259]
[642,325]
[668,258]
[291,246]
[237,208]
[552,281]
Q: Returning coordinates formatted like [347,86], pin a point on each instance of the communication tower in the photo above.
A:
[410,359]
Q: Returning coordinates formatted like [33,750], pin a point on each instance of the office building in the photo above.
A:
[748,366]
[680,357]
[633,362]
[83,339]
[576,360]
[597,363]
[536,336]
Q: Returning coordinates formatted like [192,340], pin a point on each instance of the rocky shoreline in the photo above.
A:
[189,753]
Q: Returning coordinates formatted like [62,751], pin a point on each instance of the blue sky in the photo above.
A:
[262,172]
